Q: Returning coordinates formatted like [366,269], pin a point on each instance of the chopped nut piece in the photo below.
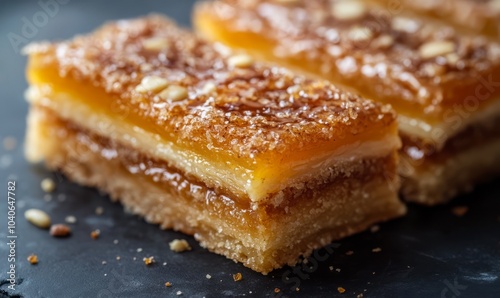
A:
[174,93]
[277,290]
[33,259]
[349,253]
[237,276]
[348,10]
[118,258]
[460,210]
[70,219]
[60,230]
[151,83]
[104,262]
[331,268]
[208,88]
[179,245]
[341,290]
[404,24]
[178,293]
[38,218]
[436,48]
[168,284]
[95,234]
[149,261]
[241,61]
[377,249]
[115,241]
[360,296]
[383,41]
[208,276]
[156,44]
[338,269]
[48,185]
[139,249]
[360,34]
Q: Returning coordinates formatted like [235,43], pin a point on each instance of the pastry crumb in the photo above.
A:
[179,245]
[237,277]
[95,234]
[99,210]
[341,290]
[149,261]
[60,230]
[48,185]
[460,210]
[377,249]
[33,259]
[70,219]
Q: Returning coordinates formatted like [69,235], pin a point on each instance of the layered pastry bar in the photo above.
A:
[444,86]
[260,165]
[471,16]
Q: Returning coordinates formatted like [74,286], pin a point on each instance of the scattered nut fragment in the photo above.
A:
[60,230]
[241,61]
[277,290]
[460,210]
[383,41]
[360,296]
[95,234]
[377,249]
[358,34]
[237,276]
[174,93]
[208,88]
[48,185]
[341,290]
[104,262]
[349,253]
[33,259]
[151,83]
[70,219]
[436,48]
[38,218]
[348,10]
[156,44]
[178,293]
[338,269]
[179,245]
[168,284]
[99,210]
[208,276]
[149,261]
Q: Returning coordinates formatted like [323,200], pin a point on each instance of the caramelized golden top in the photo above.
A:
[201,93]
[371,48]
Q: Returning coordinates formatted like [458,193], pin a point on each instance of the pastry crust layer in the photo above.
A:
[262,236]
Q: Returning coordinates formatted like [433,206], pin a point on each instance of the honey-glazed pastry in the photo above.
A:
[445,86]
[259,164]
[470,16]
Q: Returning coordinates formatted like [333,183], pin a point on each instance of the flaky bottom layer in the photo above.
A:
[263,237]
[437,181]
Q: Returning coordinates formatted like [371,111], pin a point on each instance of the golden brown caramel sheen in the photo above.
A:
[473,16]
[418,67]
[251,110]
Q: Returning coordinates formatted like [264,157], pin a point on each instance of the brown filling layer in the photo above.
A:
[420,151]
[173,180]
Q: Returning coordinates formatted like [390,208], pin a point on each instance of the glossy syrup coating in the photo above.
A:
[382,53]
[195,92]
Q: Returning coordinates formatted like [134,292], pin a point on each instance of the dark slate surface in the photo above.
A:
[430,253]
